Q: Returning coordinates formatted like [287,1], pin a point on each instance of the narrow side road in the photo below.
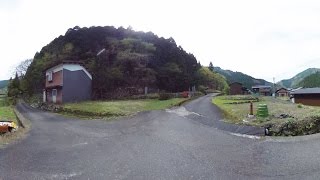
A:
[211,115]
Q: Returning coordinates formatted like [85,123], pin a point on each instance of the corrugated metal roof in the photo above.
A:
[307,91]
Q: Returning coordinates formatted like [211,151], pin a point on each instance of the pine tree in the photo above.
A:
[211,66]
[14,88]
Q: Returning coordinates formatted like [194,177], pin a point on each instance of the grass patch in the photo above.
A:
[235,108]
[6,113]
[297,115]
[119,107]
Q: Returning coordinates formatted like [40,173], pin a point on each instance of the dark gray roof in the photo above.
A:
[261,86]
[307,91]
[235,83]
[281,88]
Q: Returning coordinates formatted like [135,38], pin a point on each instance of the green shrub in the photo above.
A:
[203,89]
[165,96]
[291,127]
[148,96]
[299,106]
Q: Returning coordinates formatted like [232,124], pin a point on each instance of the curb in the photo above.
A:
[22,121]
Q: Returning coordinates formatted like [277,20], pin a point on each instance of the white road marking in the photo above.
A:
[182,111]
[246,136]
[65,176]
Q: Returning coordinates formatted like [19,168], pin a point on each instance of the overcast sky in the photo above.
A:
[262,38]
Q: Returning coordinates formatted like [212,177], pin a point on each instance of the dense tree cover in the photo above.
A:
[121,61]
[246,80]
[311,81]
[14,89]
[212,80]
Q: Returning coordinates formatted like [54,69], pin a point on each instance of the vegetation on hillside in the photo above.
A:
[246,80]
[295,81]
[212,80]
[311,81]
[121,61]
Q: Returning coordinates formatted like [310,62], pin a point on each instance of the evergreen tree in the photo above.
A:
[14,88]
[211,68]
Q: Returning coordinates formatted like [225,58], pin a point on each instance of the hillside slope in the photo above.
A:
[121,61]
[246,80]
[4,84]
[310,81]
[294,81]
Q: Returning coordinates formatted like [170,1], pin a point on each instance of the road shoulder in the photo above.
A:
[21,133]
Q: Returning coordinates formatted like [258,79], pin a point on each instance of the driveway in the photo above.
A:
[171,144]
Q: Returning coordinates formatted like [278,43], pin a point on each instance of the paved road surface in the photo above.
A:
[168,144]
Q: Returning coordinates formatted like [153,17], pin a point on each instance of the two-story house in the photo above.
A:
[67,82]
[262,90]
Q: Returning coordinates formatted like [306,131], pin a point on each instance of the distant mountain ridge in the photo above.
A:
[297,79]
[311,81]
[246,80]
[4,83]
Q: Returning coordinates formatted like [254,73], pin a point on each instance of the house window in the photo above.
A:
[50,76]
[54,92]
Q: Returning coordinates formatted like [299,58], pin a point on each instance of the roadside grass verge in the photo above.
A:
[105,109]
[12,137]
[285,118]
[6,111]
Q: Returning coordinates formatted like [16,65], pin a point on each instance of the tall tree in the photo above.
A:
[22,68]
[14,88]
[211,68]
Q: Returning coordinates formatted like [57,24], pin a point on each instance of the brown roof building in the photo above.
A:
[262,90]
[307,96]
[282,92]
[236,88]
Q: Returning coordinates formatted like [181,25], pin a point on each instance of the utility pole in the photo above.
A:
[274,87]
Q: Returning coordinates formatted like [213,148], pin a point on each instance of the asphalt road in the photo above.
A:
[168,144]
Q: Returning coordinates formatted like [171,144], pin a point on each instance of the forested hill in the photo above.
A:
[127,62]
[4,84]
[296,81]
[246,80]
[310,81]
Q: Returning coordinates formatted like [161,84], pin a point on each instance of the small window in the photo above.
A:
[54,92]
[50,76]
